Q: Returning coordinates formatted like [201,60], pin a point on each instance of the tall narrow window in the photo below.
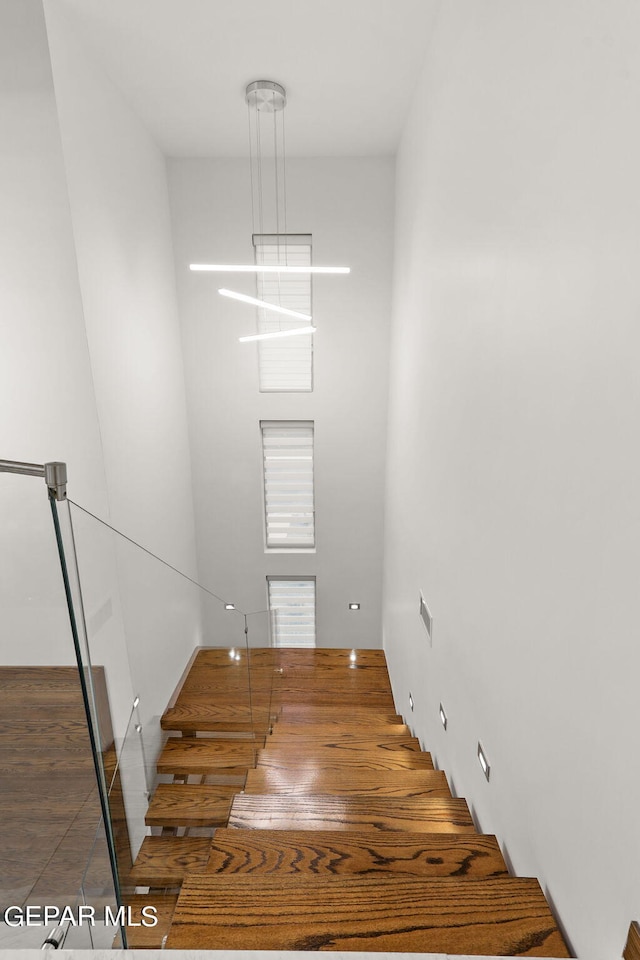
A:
[285,363]
[293,612]
[287,448]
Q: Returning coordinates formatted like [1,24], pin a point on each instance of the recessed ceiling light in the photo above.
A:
[229,606]
[354,606]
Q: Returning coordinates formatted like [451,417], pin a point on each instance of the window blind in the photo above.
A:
[285,364]
[287,449]
[293,612]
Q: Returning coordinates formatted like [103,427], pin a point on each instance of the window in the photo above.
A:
[285,364]
[293,612]
[287,449]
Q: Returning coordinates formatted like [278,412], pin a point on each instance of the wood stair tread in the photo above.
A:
[192,713]
[329,728]
[352,742]
[305,761]
[149,938]
[492,916]
[203,755]
[164,861]
[357,852]
[632,947]
[190,805]
[382,783]
[327,658]
[307,713]
[315,693]
[326,812]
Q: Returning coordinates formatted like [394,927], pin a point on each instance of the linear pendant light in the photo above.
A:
[278,333]
[262,268]
[268,97]
[263,303]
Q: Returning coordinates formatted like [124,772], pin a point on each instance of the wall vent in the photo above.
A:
[426,617]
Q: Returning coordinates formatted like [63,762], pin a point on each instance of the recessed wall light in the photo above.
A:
[229,606]
[411,702]
[354,606]
[425,616]
[443,717]
[482,760]
[353,656]
[136,702]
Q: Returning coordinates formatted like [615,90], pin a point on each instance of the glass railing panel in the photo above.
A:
[181,666]
[49,804]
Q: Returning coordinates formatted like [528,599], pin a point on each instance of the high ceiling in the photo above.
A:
[349,67]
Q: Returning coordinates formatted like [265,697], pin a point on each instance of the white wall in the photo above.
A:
[514,467]
[47,404]
[85,235]
[120,208]
[348,207]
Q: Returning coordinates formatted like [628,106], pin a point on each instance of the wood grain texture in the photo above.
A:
[494,916]
[182,755]
[316,658]
[190,805]
[632,947]
[338,728]
[149,938]
[49,811]
[381,783]
[327,852]
[201,713]
[324,695]
[354,743]
[306,761]
[350,743]
[358,714]
[324,812]
[164,861]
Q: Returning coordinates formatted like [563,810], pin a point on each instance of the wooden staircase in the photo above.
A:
[332,832]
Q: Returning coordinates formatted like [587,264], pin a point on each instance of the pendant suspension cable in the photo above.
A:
[275,170]
[284,185]
[251,161]
[259,150]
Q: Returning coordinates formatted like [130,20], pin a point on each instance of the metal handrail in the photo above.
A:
[56,938]
[54,473]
